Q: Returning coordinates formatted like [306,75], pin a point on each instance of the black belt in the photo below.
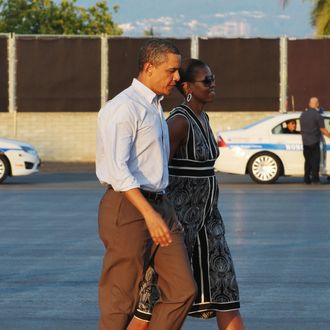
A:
[154,196]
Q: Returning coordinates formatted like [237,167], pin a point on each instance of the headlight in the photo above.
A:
[29,150]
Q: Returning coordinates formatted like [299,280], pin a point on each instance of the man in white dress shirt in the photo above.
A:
[134,214]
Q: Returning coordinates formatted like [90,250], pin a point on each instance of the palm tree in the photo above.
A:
[320,16]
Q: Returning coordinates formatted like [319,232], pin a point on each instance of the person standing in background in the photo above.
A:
[312,128]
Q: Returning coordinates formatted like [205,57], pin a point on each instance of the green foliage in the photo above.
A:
[321,17]
[149,32]
[47,17]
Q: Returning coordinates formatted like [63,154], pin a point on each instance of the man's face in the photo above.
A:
[314,103]
[164,76]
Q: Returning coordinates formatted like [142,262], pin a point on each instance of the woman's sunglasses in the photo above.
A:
[207,81]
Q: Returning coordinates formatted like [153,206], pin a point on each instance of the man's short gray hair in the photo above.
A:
[154,51]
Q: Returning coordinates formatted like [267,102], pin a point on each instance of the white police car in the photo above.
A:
[17,158]
[265,151]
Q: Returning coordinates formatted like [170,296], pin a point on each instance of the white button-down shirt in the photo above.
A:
[132,143]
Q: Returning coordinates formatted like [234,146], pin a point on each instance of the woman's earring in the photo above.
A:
[189,96]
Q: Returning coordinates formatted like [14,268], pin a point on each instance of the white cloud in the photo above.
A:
[127,27]
[253,14]
[243,13]
[161,25]
[166,20]
[220,15]
[166,28]
[284,17]
[179,26]
[192,24]
[229,29]
[265,19]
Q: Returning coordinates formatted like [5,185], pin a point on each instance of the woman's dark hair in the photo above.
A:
[188,71]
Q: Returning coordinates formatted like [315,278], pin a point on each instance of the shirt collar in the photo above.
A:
[146,92]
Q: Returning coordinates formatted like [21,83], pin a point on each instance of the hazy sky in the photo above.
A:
[213,18]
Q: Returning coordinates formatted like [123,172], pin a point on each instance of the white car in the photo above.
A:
[264,151]
[17,158]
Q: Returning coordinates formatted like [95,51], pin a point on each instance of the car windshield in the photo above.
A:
[258,122]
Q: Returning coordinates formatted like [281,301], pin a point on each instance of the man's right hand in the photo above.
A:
[158,229]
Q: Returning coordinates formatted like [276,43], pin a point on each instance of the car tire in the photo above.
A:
[264,167]
[4,168]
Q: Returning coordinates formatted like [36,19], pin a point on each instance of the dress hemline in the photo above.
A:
[197,310]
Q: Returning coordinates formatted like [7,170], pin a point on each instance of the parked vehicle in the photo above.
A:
[265,152]
[17,158]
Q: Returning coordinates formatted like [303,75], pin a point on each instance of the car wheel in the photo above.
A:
[4,168]
[265,168]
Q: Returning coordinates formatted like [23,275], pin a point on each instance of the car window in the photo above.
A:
[283,128]
[277,129]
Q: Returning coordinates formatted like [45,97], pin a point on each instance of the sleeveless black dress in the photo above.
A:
[193,190]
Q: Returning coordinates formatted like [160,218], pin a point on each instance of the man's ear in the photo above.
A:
[148,67]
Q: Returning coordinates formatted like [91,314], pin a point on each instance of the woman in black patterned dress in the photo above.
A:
[193,189]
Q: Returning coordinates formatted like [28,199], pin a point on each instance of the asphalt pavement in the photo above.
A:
[51,256]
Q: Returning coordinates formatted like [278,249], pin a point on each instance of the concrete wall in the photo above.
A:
[64,136]
[68,136]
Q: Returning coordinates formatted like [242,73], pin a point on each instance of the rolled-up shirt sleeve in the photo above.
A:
[118,131]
